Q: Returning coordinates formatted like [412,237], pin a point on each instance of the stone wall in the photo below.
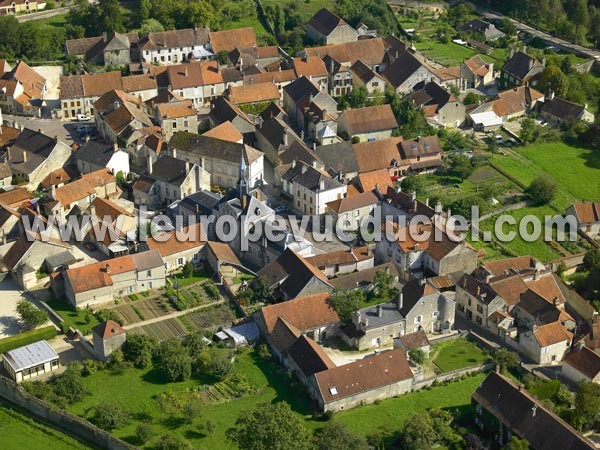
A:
[59,418]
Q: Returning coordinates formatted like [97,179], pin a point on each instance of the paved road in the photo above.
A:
[65,131]
[566,45]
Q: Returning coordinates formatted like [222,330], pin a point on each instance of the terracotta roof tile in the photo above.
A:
[172,245]
[552,333]
[174,110]
[312,66]
[108,329]
[346,204]
[227,40]
[587,212]
[355,254]
[379,179]
[309,356]
[369,119]
[370,51]
[363,375]
[585,361]
[379,154]
[253,93]
[225,132]
[304,313]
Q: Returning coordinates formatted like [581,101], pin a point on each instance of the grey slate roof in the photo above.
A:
[339,156]
[324,21]
[169,170]
[312,178]
[95,152]
[30,355]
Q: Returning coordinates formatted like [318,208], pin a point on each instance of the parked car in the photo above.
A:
[83,118]
[281,209]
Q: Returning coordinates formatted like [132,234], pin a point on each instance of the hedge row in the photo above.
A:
[27,337]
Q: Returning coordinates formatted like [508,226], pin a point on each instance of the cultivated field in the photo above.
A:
[163,330]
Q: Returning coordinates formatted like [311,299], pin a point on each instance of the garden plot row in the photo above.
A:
[166,329]
[212,317]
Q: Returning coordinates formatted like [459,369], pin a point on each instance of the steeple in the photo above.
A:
[243,181]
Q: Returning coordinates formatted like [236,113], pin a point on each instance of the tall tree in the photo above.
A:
[270,426]
[579,15]
[553,79]
[587,404]
[346,302]
[336,436]
[30,315]
[557,12]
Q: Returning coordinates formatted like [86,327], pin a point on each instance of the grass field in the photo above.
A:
[76,318]
[136,389]
[457,354]
[388,416]
[18,432]
[450,54]
[575,169]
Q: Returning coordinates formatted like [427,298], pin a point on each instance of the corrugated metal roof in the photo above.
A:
[30,355]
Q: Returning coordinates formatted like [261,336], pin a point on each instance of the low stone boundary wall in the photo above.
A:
[59,418]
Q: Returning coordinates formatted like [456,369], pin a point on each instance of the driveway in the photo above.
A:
[10,295]
[65,131]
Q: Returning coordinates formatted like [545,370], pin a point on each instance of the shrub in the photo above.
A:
[144,432]
[188,270]
[543,189]
[110,416]
[27,337]
[211,289]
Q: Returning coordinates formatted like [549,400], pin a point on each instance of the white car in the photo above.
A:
[82,118]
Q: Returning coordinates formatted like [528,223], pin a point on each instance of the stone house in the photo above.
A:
[21,6]
[337,263]
[477,301]
[365,381]
[349,212]
[440,107]
[367,124]
[418,307]
[174,46]
[27,255]
[33,155]
[587,215]
[414,341]
[119,117]
[476,73]
[222,110]
[110,49]
[291,276]
[422,154]
[520,70]
[504,409]
[253,94]
[22,91]
[179,247]
[222,159]
[363,75]
[370,51]
[546,344]
[200,82]
[487,29]
[313,189]
[581,364]
[108,337]
[339,77]
[438,256]
[95,155]
[176,116]
[111,228]
[558,111]
[172,179]
[407,71]
[78,93]
[101,282]
[282,323]
[326,27]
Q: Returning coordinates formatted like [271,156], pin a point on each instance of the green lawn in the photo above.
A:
[198,276]
[18,432]
[388,416]
[576,169]
[57,21]
[81,319]
[538,249]
[136,389]
[450,54]
[457,354]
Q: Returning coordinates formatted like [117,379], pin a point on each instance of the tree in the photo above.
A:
[461,166]
[417,355]
[139,348]
[31,316]
[191,409]
[591,259]
[269,426]
[554,80]
[530,131]
[346,302]
[384,284]
[543,189]
[557,12]
[579,15]
[68,385]
[151,26]
[413,183]
[258,291]
[172,442]
[505,360]
[517,444]
[358,97]
[594,28]
[336,436]
[471,98]
[174,361]
[110,416]
[419,433]
[144,432]
[587,404]
[187,270]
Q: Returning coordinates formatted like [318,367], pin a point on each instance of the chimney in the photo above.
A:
[400,300]
[324,114]
[149,165]
[397,188]
[24,156]
[107,268]
[174,153]
[426,202]
[304,168]
[321,184]
[197,209]
[187,167]
[314,146]
[87,139]
[203,162]
[379,311]
[294,164]
[285,139]
[105,37]
[449,213]
[185,71]
[413,196]
[438,207]
[115,147]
